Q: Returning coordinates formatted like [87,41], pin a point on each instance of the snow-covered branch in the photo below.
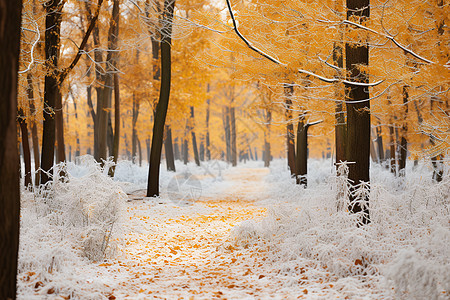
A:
[274,60]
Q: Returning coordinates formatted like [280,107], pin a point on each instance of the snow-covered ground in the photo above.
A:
[237,233]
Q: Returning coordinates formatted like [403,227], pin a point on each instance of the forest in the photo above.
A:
[224,149]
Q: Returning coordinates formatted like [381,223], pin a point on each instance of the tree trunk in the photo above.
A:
[226,120]
[267,154]
[301,159]
[207,141]
[404,133]
[380,143]
[60,129]
[34,131]
[185,151]
[51,87]
[116,124]
[140,152]
[10,28]
[233,136]
[170,162]
[358,113]
[340,133]
[161,107]
[26,148]
[134,131]
[194,139]
[290,136]
[177,150]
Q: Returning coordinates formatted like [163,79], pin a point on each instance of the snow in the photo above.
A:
[241,233]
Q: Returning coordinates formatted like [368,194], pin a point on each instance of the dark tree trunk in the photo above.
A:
[290,136]
[170,162]
[404,133]
[140,152]
[266,154]
[60,129]
[301,159]
[226,119]
[233,136]
[358,113]
[161,107]
[380,143]
[10,20]
[194,139]
[34,131]
[208,150]
[25,147]
[116,124]
[177,150]
[202,151]
[185,151]
[134,131]
[51,88]
[256,154]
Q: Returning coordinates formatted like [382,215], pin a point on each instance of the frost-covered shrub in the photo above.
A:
[71,218]
[406,213]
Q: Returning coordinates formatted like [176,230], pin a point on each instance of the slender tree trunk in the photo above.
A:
[233,136]
[134,130]
[25,147]
[34,131]
[177,150]
[267,155]
[404,132]
[301,159]
[207,141]
[116,124]
[226,118]
[51,88]
[185,151]
[194,139]
[60,128]
[161,107]
[358,113]
[140,152]
[341,126]
[170,161]
[202,151]
[10,20]
[290,136]
[380,143]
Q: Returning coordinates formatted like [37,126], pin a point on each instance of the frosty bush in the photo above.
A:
[70,218]
[307,224]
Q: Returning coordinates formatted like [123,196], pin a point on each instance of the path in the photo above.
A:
[183,251]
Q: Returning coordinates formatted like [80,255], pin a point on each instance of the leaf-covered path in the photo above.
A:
[184,252]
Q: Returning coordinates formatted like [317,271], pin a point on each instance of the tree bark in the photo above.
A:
[25,147]
[267,155]
[358,112]
[134,131]
[404,133]
[10,20]
[380,143]
[168,147]
[177,150]
[161,107]
[34,131]
[51,88]
[290,136]
[233,135]
[301,159]
[194,139]
[207,141]
[59,123]
[226,121]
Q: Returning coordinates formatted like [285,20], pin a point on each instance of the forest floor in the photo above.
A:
[233,233]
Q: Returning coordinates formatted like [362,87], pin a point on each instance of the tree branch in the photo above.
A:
[66,71]
[276,61]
